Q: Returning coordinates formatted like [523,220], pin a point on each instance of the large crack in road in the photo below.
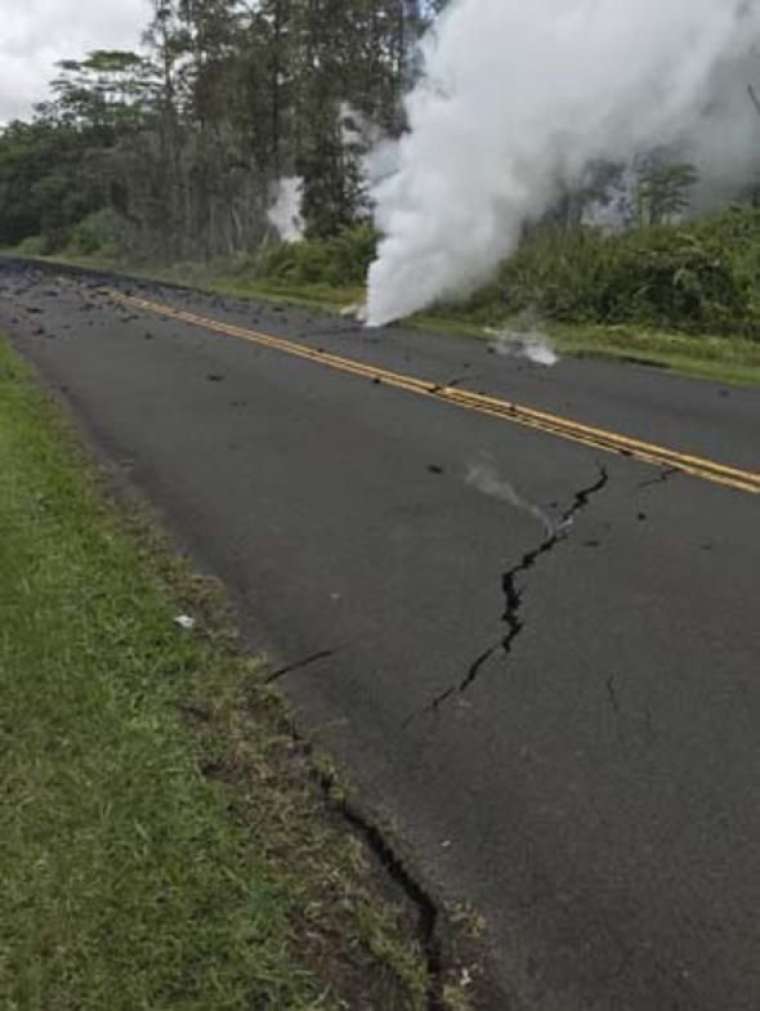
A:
[514,595]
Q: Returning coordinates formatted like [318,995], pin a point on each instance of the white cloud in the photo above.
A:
[35,34]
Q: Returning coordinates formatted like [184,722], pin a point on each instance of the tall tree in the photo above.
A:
[187,142]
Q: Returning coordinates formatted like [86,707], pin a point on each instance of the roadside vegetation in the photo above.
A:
[684,296]
[164,839]
[700,277]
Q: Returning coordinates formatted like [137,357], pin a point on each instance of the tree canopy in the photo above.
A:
[182,145]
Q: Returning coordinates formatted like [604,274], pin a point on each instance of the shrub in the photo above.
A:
[699,276]
[97,233]
[673,278]
[32,245]
[341,261]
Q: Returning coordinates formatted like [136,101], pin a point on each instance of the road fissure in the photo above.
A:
[514,595]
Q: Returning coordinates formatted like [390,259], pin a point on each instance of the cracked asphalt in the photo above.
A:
[563,729]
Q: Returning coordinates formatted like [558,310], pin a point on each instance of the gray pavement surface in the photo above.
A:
[594,789]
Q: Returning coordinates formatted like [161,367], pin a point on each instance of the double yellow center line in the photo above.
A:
[598,438]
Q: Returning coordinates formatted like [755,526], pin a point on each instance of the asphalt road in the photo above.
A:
[592,788]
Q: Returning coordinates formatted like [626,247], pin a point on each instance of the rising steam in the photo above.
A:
[523,339]
[285,212]
[484,476]
[518,96]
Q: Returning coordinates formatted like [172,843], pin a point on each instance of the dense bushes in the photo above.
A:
[693,277]
[340,262]
[32,245]
[98,234]
[699,277]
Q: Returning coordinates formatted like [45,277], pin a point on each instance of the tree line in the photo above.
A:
[175,152]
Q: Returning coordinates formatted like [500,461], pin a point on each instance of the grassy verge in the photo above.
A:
[734,360]
[163,843]
[726,358]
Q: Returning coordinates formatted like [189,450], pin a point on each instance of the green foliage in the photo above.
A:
[97,234]
[187,141]
[696,277]
[341,261]
[106,93]
[33,245]
[55,170]
[48,181]
[663,190]
[700,277]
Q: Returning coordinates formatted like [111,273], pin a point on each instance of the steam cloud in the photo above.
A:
[524,340]
[484,476]
[285,213]
[517,97]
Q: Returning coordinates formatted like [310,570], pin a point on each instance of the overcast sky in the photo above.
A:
[34,34]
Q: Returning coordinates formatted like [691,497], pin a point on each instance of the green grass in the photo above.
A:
[316,296]
[162,843]
[726,359]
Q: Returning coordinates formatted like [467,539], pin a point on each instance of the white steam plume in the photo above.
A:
[523,339]
[285,213]
[518,96]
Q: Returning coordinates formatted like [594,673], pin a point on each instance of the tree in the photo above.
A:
[186,142]
[663,188]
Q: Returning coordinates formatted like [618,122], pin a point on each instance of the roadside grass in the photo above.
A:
[729,359]
[163,840]
[733,360]
[726,358]
[318,296]
[225,277]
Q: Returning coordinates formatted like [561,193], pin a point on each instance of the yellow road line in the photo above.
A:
[598,438]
